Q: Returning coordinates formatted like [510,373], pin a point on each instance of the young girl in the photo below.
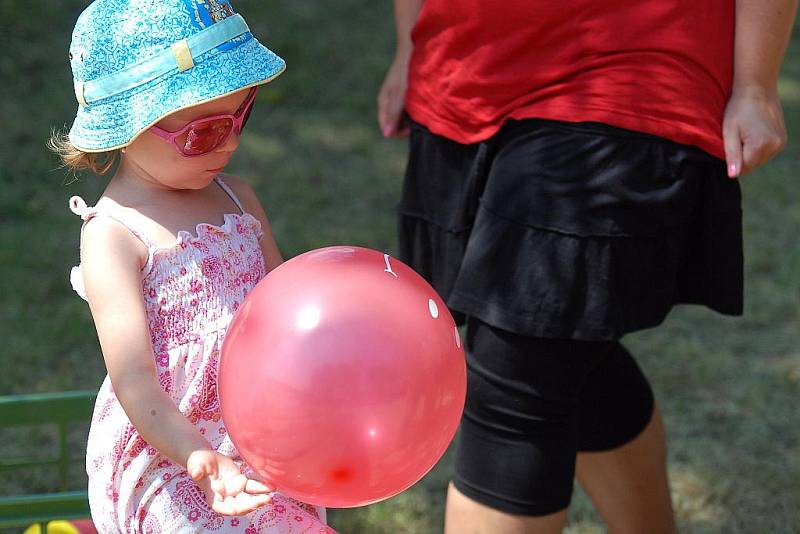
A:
[168,253]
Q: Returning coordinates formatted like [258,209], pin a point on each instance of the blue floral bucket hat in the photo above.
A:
[136,61]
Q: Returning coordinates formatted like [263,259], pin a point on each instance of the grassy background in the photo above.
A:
[729,388]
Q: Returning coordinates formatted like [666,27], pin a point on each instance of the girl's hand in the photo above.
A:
[392,119]
[753,130]
[227,490]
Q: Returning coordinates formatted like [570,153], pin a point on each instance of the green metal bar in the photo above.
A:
[63,456]
[60,409]
[26,509]
[21,463]
[41,408]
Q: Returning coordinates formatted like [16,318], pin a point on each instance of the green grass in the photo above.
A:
[729,388]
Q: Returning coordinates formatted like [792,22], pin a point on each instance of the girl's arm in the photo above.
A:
[111,261]
[753,127]
[392,95]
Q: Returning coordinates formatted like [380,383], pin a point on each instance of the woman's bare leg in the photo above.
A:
[628,485]
[467,516]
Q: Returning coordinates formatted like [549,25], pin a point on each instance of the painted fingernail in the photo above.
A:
[732,171]
[387,131]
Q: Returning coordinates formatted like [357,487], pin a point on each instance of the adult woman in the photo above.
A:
[569,182]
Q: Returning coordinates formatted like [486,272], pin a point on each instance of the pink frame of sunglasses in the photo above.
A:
[206,134]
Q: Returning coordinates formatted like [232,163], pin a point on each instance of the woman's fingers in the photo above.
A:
[733,149]
[390,110]
[753,131]
[391,100]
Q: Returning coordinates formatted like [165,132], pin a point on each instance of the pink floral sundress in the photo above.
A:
[191,291]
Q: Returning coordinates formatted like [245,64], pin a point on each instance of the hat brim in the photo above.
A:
[115,122]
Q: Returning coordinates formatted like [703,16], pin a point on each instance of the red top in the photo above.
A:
[654,66]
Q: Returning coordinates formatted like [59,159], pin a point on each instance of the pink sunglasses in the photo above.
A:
[202,136]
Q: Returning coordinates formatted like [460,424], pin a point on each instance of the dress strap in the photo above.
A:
[78,206]
[229,192]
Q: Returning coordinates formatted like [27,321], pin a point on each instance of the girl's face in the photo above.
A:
[157,161]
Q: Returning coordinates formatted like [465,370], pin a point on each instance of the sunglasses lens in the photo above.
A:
[205,136]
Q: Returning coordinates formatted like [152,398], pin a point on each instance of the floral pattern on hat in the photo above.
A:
[111,35]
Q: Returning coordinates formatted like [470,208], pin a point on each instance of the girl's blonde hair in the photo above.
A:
[78,160]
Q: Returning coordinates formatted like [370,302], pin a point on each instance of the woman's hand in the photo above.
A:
[227,490]
[392,119]
[753,130]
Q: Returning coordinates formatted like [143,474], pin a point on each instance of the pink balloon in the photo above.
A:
[342,378]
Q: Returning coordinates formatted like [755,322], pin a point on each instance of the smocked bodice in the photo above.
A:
[195,286]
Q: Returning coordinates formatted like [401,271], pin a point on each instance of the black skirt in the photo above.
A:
[565,230]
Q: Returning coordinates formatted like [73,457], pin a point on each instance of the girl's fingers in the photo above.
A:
[218,487]
[241,504]
[241,484]
[255,487]
[196,472]
[235,485]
